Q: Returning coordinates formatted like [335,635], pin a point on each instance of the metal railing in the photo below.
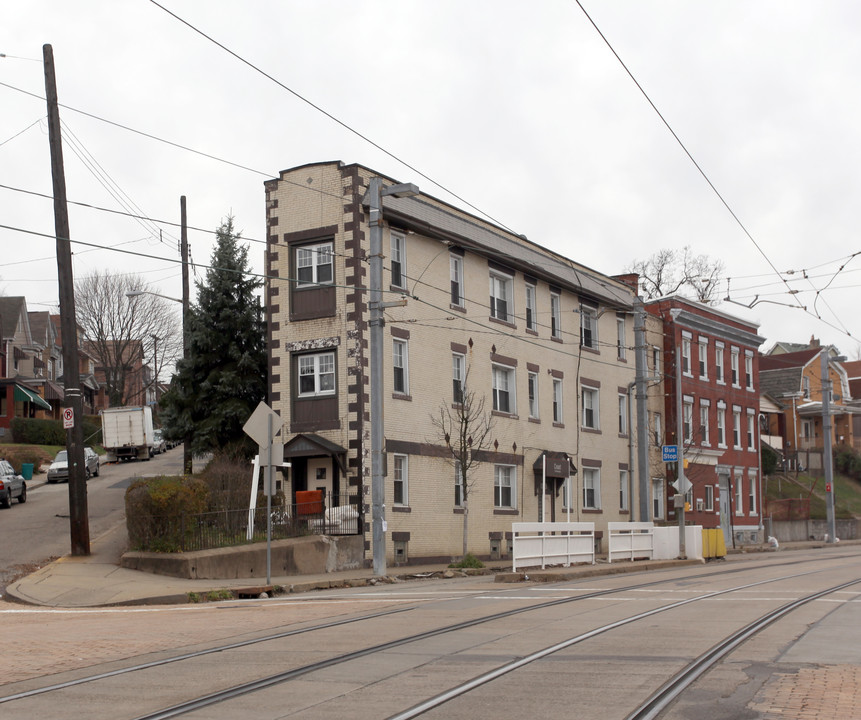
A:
[334,515]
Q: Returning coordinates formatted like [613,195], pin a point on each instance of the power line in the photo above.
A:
[680,143]
[36,122]
[329,115]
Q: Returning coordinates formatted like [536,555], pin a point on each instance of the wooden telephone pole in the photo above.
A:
[78,517]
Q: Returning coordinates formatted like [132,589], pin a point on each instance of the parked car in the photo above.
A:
[159,445]
[59,469]
[91,457]
[12,485]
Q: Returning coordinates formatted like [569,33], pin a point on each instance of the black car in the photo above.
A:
[12,485]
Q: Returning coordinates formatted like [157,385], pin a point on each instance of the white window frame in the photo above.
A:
[623,489]
[592,407]
[751,429]
[733,367]
[322,365]
[748,369]
[591,484]
[751,494]
[721,425]
[688,418]
[456,274]
[458,377]
[657,429]
[555,315]
[532,391]
[703,358]
[501,292]
[558,416]
[805,387]
[400,361]
[686,354]
[588,327]
[498,373]
[504,482]
[659,504]
[531,317]
[310,256]
[623,413]
[621,341]
[656,360]
[400,476]
[710,499]
[720,368]
[398,260]
[739,492]
[736,427]
[705,430]
[458,485]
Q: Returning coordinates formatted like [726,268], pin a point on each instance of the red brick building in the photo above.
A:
[719,424]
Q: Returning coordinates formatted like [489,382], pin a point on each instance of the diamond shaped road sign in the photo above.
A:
[682,485]
[257,426]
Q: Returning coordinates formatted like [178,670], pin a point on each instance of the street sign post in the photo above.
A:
[261,427]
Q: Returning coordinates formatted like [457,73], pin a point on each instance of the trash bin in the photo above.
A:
[27,471]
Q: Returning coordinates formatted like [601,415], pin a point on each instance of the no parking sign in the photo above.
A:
[68,418]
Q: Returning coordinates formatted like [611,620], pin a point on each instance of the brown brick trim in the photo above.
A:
[312,234]
[503,360]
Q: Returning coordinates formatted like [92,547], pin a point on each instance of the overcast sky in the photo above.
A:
[520,109]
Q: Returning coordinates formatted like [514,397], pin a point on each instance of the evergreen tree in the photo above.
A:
[220,383]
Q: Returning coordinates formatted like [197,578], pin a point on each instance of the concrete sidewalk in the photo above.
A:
[98,580]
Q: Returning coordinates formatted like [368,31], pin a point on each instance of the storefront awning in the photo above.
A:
[26,395]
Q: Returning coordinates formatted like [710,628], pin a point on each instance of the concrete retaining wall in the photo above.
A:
[312,555]
[799,530]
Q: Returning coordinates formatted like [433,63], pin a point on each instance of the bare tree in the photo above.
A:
[122,331]
[667,272]
[465,428]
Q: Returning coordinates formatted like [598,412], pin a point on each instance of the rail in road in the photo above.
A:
[497,644]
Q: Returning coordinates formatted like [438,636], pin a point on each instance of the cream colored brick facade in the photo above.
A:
[322,202]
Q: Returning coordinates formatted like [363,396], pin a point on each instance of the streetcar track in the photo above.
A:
[279,678]
[252,686]
[674,687]
[664,696]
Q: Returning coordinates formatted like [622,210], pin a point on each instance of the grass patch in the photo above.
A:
[847,493]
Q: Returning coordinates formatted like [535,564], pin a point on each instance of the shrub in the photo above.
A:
[30,431]
[469,561]
[20,454]
[769,459]
[847,461]
[155,508]
[228,477]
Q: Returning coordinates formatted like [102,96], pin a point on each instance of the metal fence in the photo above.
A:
[329,515]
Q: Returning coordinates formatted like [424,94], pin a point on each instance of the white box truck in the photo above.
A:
[127,433]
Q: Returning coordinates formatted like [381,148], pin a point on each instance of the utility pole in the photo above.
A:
[826,444]
[642,408]
[376,191]
[79,526]
[682,482]
[187,460]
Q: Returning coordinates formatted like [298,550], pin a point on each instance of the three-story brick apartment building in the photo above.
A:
[545,341]
[720,407]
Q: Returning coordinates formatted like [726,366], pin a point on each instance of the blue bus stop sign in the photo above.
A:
[670,453]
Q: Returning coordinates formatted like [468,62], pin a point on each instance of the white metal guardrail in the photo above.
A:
[552,543]
[630,541]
